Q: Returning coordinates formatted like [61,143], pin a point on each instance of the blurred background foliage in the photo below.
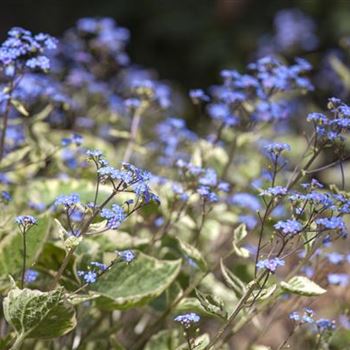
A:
[187,41]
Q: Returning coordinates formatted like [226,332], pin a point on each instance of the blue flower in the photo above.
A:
[22,47]
[206,193]
[290,226]
[73,139]
[277,148]
[270,264]
[294,30]
[250,220]
[295,316]
[31,276]
[198,95]
[274,191]
[159,221]
[222,113]
[187,320]
[94,153]
[26,221]
[332,223]
[179,191]
[209,178]
[40,62]
[245,200]
[126,255]
[6,197]
[335,258]
[99,265]
[307,317]
[338,279]
[88,276]
[67,201]
[325,325]
[114,216]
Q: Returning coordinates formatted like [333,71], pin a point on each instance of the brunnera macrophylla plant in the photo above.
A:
[232,231]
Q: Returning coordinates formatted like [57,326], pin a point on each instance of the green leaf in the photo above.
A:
[341,69]
[36,314]
[109,241]
[241,251]
[240,233]
[302,286]
[191,305]
[11,247]
[212,304]
[232,280]
[5,342]
[20,107]
[164,340]
[193,253]
[128,285]
[50,261]
[162,302]
[15,157]
[76,299]
[46,190]
[262,294]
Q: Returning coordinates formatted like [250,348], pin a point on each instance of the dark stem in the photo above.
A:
[24,258]
[200,227]
[83,231]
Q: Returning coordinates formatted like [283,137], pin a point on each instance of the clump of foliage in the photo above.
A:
[234,229]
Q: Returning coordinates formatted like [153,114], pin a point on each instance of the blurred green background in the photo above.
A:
[188,41]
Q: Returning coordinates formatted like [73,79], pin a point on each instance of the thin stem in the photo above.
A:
[83,231]
[200,227]
[97,189]
[133,133]
[18,342]
[188,341]
[153,327]
[231,154]
[284,343]
[218,134]
[235,311]
[342,175]
[263,221]
[220,334]
[24,258]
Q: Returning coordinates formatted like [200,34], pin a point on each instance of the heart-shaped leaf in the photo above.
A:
[36,314]
[134,284]
[302,286]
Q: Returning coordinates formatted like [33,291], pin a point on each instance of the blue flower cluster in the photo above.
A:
[321,325]
[329,129]
[126,255]
[289,227]
[114,216]
[26,221]
[94,269]
[270,264]
[173,135]
[129,177]
[188,320]
[268,76]
[203,181]
[31,276]
[67,201]
[24,48]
